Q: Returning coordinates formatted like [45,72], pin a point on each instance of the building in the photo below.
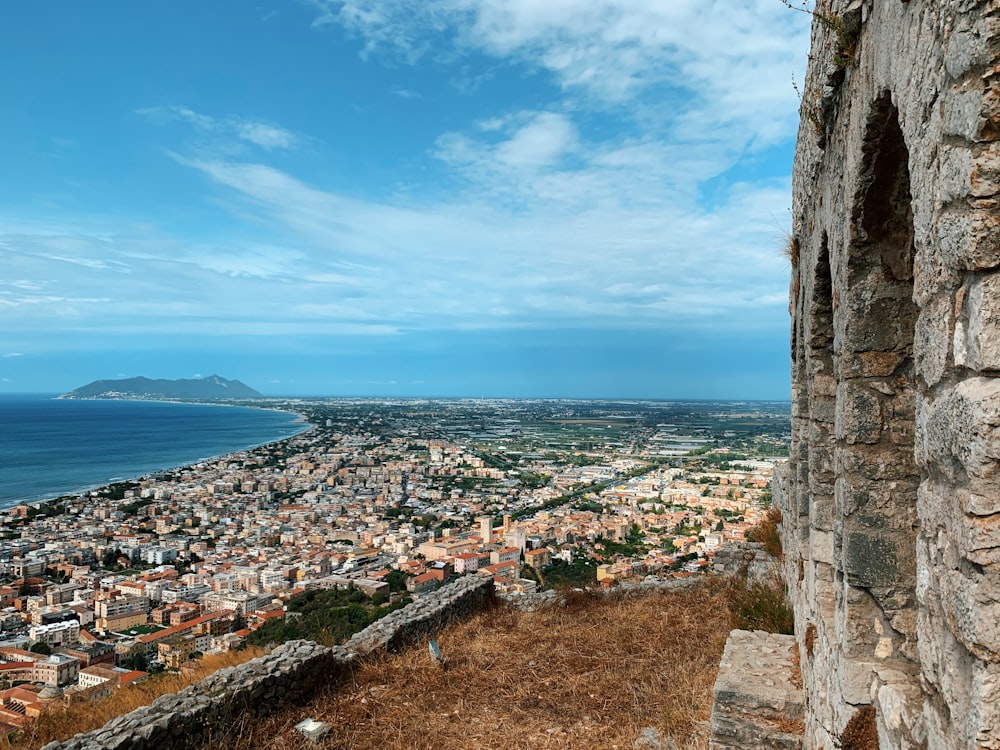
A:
[120,613]
[469,562]
[56,670]
[98,675]
[538,558]
[485,528]
[506,554]
[237,602]
[56,634]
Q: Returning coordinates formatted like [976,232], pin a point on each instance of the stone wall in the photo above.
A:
[891,500]
[291,673]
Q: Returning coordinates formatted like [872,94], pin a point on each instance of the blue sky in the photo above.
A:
[446,197]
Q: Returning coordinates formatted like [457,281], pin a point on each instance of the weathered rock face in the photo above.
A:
[891,501]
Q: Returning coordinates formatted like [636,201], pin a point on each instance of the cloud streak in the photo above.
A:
[265,135]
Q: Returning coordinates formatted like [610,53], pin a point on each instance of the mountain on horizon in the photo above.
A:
[212,388]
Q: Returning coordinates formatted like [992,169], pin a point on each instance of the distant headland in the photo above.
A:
[212,388]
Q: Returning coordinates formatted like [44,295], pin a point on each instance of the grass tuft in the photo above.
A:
[790,249]
[766,533]
[760,604]
[810,640]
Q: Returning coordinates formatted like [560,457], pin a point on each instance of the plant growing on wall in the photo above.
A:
[846,38]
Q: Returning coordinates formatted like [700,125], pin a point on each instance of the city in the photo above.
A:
[385,499]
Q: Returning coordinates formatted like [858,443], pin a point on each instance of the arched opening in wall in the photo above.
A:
[876,484]
[822,405]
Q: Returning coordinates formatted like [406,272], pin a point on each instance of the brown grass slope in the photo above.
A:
[592,673]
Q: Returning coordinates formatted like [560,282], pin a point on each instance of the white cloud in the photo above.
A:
[404,93]
[585,209]
[734,59]
[265,136]
[262,134]
[177,112]
[575,235]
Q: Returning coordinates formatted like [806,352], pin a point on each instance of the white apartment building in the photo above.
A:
[240,602]
[56,634]
[274,579]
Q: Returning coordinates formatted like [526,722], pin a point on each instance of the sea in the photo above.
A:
[51,447]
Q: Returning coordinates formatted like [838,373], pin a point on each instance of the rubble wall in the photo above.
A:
[891,499]
[212,709]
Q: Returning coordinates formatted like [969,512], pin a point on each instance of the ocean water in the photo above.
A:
[51,447]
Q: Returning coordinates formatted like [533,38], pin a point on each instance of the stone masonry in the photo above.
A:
[757,701]
[891,498]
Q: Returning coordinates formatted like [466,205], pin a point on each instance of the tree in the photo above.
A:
[396,580]
[137,661]
[41,648]
[239,623]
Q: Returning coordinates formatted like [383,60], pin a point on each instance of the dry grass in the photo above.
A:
[861,732]
[810,639]
[759,604]
[62,723]
[591,674]
[766,532]
[790,249]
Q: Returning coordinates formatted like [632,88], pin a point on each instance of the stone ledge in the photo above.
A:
[758,698]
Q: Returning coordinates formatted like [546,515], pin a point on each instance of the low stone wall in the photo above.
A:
[550,598]
[759,702]
[290,674]
[747,558]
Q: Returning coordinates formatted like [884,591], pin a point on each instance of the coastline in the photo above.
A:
[301,421]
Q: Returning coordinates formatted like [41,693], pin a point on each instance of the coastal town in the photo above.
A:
[385,499]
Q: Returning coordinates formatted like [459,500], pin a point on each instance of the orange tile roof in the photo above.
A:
[178,629]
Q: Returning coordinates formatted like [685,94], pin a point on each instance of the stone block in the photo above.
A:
[859,414]
[873,326]
[759,703]
[982,332]
[822,409]
[932,338]
[961,431]
[954,169]
[871,555]
[967,47]
[899,703]
[856,678]
[984,717]
[968,241]
[972,606]
[984,180]
[962,110]
[821,547]
[823,386]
